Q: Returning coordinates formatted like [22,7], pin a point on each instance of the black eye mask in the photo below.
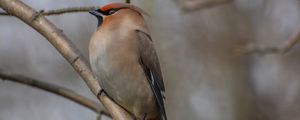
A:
[99,14]
[109,12]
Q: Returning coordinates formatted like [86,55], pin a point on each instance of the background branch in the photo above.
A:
[281,49]
[193,5]
[60,11]
[55,89]
[66,48]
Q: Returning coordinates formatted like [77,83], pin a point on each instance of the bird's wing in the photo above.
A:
[149,62]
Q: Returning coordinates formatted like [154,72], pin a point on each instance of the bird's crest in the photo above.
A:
[123,6]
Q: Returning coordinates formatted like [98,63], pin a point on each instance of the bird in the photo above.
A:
[124,60]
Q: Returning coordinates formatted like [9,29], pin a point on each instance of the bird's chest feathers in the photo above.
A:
[112,53]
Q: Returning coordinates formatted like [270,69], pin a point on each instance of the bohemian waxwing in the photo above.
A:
[123,58]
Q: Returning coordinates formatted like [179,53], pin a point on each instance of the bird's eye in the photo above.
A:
[112,11]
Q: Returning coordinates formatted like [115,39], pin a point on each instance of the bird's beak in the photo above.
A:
[95,13]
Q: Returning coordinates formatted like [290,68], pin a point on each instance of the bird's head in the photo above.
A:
[111,9]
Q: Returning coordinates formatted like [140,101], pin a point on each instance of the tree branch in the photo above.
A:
[127,1]
[281,49]
[193,5]
[59,11]
[58,90]
[66,48]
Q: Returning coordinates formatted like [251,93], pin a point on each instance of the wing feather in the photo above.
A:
[151,66]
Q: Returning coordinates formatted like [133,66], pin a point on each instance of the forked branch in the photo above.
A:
[281,49]
[62,10]
[66,48]
[59,11]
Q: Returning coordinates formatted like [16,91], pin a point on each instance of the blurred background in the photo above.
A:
[206,77]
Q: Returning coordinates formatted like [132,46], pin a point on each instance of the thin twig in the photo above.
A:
[55,89]
[193,5]
[251,48]
[59,11]
[66,48]
[281,49]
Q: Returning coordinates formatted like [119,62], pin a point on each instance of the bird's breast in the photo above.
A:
[115,61]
